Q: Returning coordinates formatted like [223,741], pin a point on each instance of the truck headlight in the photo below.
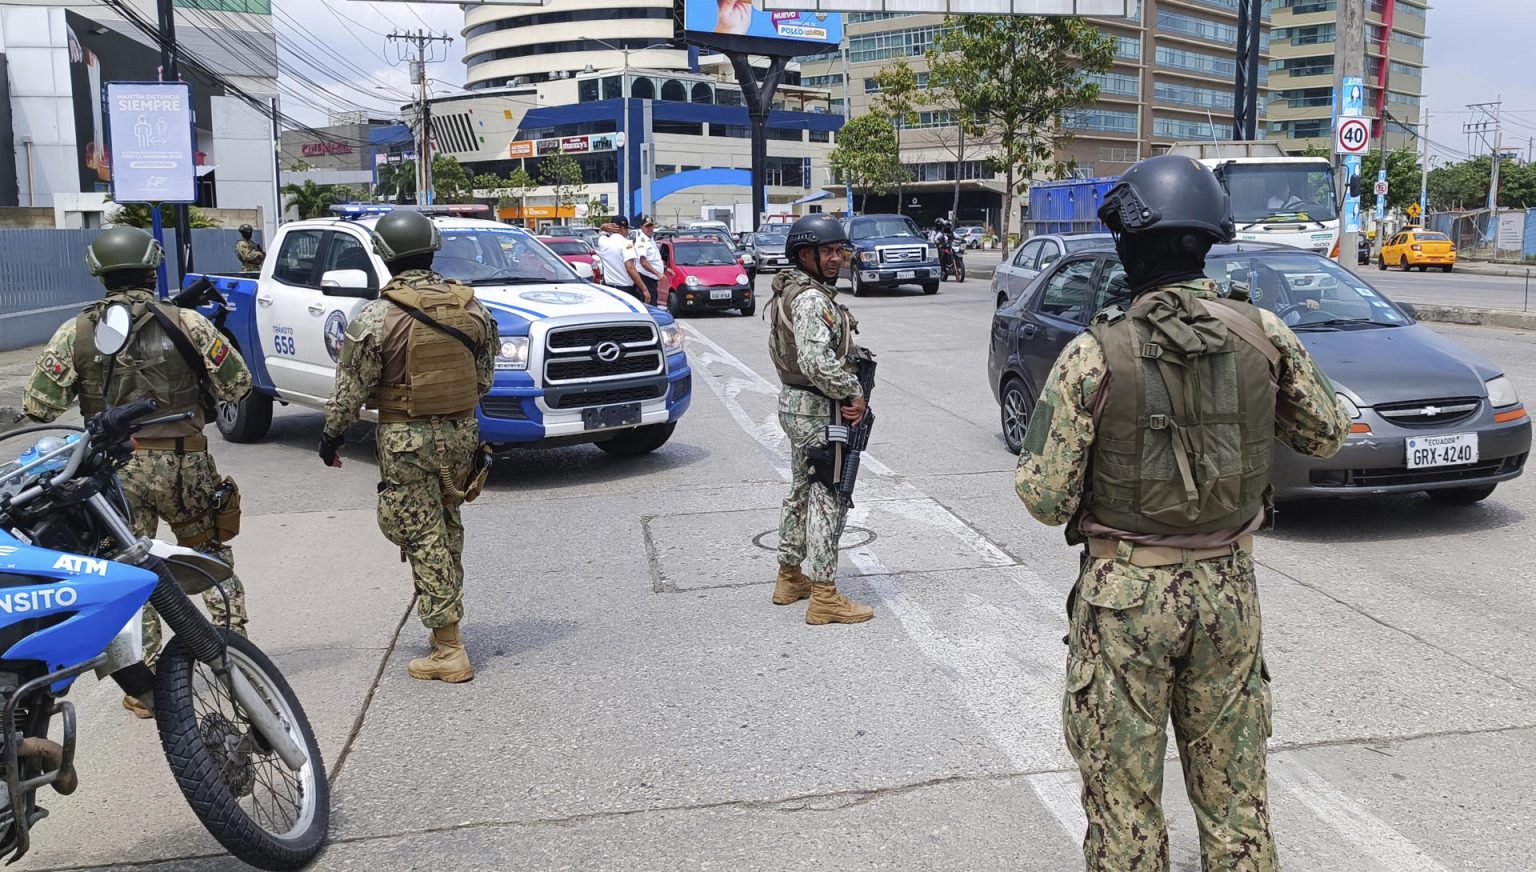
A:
[932,252]
[691,281]
[672,337]
[868,258]
[1349,407]
[513,353]
[1501,392]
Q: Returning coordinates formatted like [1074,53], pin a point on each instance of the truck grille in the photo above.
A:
[604,398]
[575,338]
[1429,413]
[904,254]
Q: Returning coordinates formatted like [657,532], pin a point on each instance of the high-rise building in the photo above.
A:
[1302,69]
[1172,80]
[522,45]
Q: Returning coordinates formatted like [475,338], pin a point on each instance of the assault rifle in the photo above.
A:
[836,467]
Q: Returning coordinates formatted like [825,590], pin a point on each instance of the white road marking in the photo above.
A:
[1004,664]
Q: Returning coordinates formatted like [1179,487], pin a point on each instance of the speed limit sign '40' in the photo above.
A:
[1353,136]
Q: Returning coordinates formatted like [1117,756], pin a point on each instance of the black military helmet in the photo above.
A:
[122,248]
[1168,192]
[246,230]
[814,230]
[403,233]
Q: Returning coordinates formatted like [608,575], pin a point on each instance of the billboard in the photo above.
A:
[149,138]
[748,25]
[585,144]
[1101,8]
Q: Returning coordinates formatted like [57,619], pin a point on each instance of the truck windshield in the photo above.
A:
[1277,193]
[892,225]
[483,256]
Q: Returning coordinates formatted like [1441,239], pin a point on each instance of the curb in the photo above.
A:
[1496,269]
[1480,317]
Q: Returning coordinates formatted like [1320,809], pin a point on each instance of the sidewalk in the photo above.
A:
[1488,268]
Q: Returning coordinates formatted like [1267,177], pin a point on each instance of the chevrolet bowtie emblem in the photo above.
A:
[1430,411]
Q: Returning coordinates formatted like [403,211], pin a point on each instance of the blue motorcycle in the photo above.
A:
[73,582]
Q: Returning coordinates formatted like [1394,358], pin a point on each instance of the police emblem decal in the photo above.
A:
[335,333]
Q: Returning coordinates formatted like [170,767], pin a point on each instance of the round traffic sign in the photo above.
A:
[1381,189]
[1354,136]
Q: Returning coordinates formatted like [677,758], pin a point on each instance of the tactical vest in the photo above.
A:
[1186,433]
[429,373]
[149,365]
[782,347]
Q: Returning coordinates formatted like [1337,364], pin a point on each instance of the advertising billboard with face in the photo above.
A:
[747,25]
[1105,8]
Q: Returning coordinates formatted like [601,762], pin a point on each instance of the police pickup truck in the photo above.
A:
[889,250]
[578,362]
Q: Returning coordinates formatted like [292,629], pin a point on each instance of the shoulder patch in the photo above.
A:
[826,316]
[51,363]
[218,352]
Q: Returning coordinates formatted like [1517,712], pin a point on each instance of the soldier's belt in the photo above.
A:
[1163,555]
[198,442]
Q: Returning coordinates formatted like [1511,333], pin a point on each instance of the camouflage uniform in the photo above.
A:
[176,486]
[1147,642]
[812,515]
[412,513]
[250,254]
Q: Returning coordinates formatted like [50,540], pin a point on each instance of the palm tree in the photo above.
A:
[397,181]
[311,200]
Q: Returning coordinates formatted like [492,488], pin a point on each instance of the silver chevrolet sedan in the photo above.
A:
[1427,414]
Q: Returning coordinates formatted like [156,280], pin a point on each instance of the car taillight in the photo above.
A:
[1416,247]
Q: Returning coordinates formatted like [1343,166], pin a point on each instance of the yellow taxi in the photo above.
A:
[1417,247]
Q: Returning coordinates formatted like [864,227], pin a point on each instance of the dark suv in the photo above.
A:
[888,251]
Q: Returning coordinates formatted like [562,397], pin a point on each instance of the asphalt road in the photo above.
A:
[1456,288]
[642,706]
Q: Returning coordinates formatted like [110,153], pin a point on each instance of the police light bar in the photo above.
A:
[456,209]
[353,211]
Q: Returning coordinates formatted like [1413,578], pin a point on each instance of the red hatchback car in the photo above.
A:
[574,251]
[705,274]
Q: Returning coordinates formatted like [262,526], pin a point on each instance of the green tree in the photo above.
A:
[898,100]
[309,199]
[1464,184]
[561,172]
[138,215]
[866,157]
[397,182]
[450,181]
[518,185]
[1016,75]
[597,212]
[1403,178]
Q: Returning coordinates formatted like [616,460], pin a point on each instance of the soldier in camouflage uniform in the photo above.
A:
[250,254]
[1152,441]
[811,342]
[172,475]
[424,374]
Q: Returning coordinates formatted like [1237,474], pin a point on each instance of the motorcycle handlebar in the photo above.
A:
[120,420]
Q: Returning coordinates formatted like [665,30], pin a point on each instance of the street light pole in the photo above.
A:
[625,204]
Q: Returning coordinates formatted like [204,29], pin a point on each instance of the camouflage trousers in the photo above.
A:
[179,489]
[413,516]
[812,515]
[1183,640]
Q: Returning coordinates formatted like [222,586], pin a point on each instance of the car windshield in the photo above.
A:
[770,240]
[569,247]
[1308,292]
[702,254]
[1276,193]
[493,255]
[895,225]
[1083,243]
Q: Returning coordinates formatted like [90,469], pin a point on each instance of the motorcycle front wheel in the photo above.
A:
[262,812]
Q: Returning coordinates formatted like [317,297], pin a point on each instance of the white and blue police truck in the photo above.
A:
[578,362]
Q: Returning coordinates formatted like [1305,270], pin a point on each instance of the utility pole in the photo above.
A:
[1424,170]
[1381,176]
[1245,103]
[847,115]
[420,41]
[1349,88]
[1490,113]
[170,73]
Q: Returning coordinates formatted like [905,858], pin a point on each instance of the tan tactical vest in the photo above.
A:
[148,366]
[429,373]
[1185,437]
[783,349]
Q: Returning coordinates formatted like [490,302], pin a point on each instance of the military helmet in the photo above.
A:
[1169,192]
[815,231]
[246,230]
[403,233]
[123,248]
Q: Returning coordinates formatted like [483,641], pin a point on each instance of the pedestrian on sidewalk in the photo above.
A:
[1153,441]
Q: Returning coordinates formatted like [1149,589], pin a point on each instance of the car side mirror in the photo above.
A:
[111,333]
[1409,308]
[584,270]
[1354,185]
[345,283]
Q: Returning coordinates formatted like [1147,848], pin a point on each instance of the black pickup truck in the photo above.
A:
[889,250]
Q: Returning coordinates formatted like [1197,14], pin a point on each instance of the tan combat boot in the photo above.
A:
[448,661]
[830,607]
[139,709]
[791,586]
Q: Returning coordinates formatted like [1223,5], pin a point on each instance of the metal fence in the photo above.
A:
[43,278]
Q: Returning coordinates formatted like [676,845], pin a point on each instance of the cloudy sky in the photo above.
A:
[1479,51]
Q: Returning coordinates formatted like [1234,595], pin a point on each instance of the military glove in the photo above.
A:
[329,445]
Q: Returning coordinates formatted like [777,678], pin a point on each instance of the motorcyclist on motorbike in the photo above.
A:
[943,238]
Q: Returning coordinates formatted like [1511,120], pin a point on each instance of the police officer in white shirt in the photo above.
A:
[619,258]
[649,261]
